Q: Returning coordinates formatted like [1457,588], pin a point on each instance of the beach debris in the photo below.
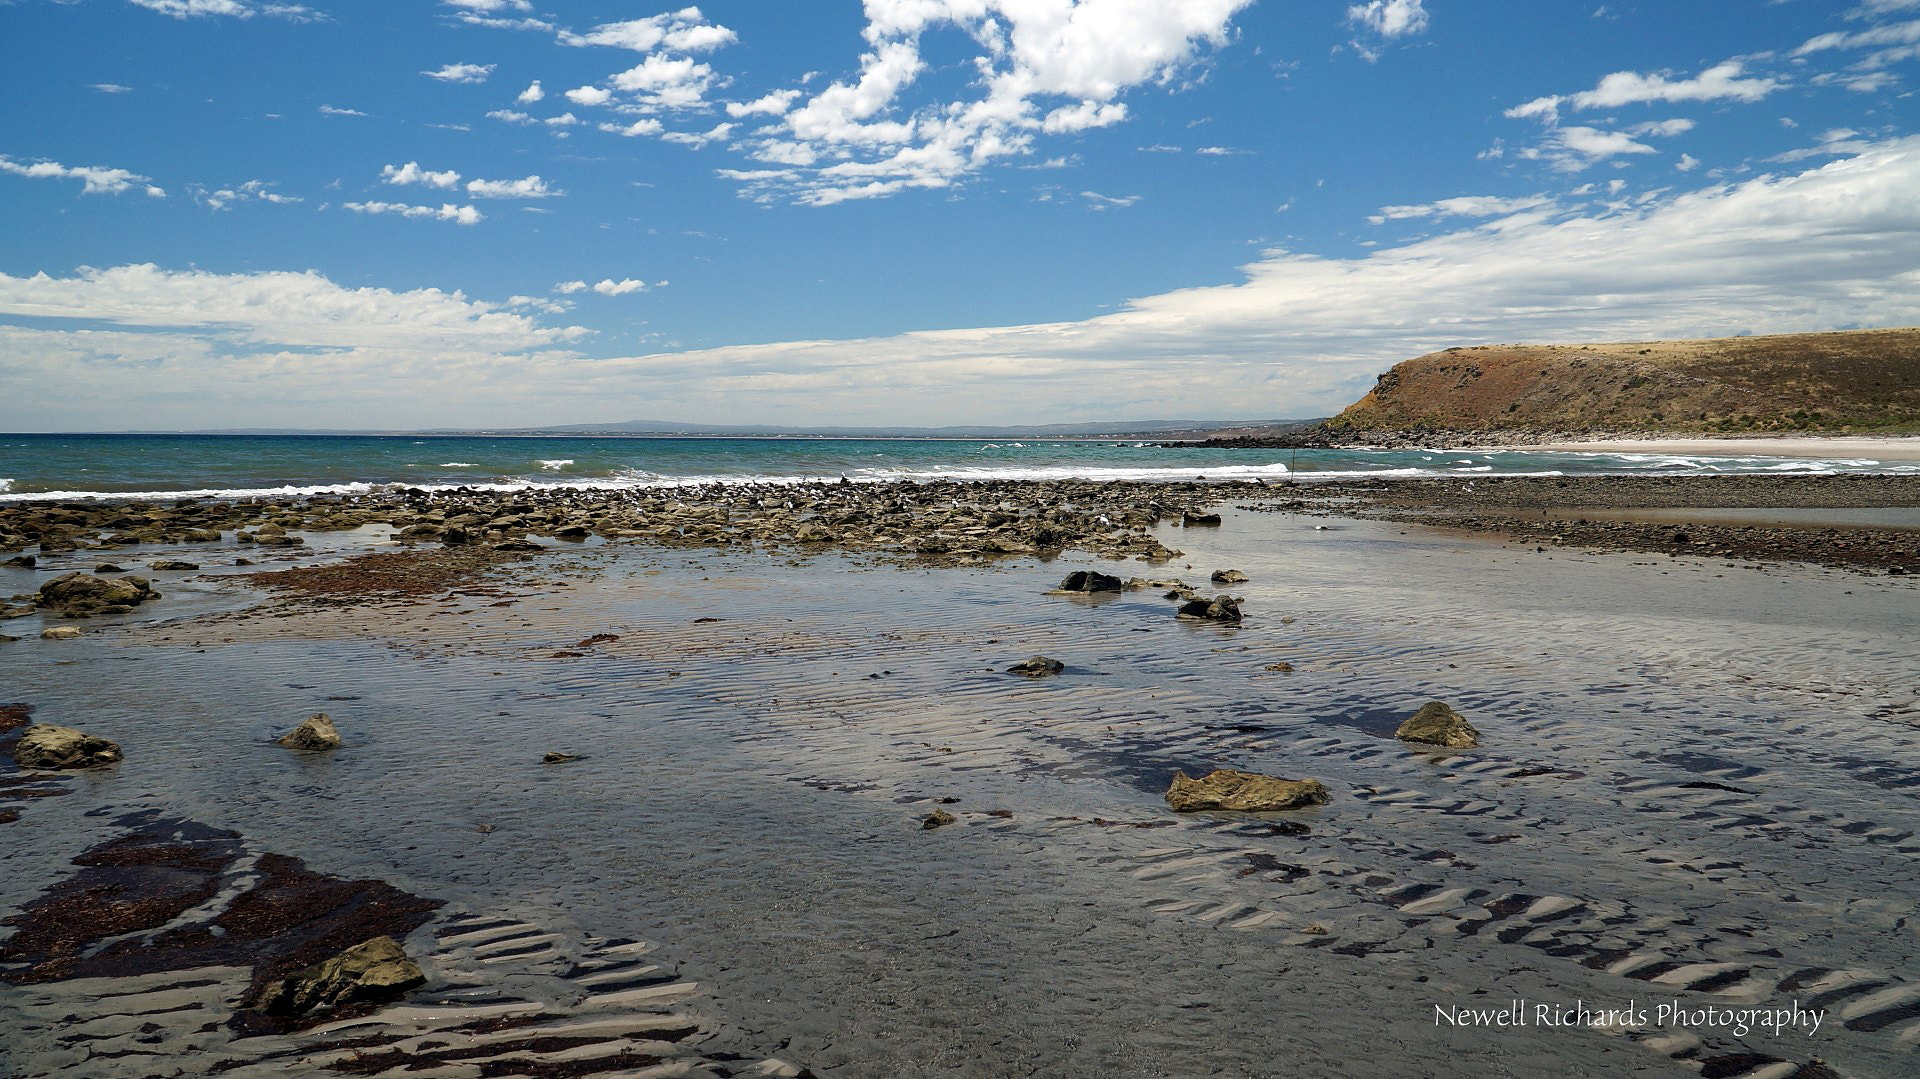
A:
[1225,788]
[78,595]
[315,733]
[60,633]
[1217,609]
[1037,667]
[1086,581]
[1228,576]
[1191,519]
[557,757]
[50,748]
[939,818]
[375,971]
[1435,724]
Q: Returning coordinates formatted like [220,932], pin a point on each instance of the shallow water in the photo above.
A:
[1693,776]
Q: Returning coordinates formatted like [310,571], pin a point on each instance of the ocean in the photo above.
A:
[44,466]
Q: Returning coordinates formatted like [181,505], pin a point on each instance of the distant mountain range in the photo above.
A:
[668,428]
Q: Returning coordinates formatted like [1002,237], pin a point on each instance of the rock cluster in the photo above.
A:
[1225,788]
[52,748]
[1218,609]
[1088,581]
[1436,724]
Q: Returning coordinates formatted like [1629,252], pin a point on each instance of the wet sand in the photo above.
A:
[1697,784]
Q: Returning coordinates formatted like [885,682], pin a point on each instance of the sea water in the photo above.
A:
[93,465]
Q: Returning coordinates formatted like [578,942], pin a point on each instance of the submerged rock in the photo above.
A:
[1228,576]
[937,819]
[1037,667]
[1435,724]
[557,757]
[1225,788]
[1191,519]
[46,746]
[1082,580]
[80,594]
[1217,609]
[173,563]
[60,633]
[375,971]
[316,733]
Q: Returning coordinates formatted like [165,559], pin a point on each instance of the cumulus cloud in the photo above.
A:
[610,287]
[462,73]
[1386,20]
[1049,69]
[412,173]
[589,95]
[773,104]
[465,215]
[685,30]
[533,187]
[532,94]
[95,179]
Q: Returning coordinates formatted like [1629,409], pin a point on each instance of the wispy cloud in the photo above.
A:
[217,199]
[532,187]
[1724,81]
[96,179]
[334,110]
[1385,20]
[239,9]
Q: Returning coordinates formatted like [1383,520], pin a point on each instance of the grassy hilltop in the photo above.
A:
[1859,381]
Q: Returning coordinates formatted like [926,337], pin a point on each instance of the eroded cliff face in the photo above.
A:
[1850,380]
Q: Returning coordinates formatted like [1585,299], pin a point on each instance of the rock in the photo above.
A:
[1081,580]
[49,747]
[80,594]
[1228,576]
[1217,609]
[108,567]
[1037,667]
[1225,788]
[377,970]
[1191,519]
[557,757]
[316,733]
[518,545]
[21,561]
[60,633]
[5,639]
[1435,724]
[1283,668]
[8,611]
[173,564]
[936,819]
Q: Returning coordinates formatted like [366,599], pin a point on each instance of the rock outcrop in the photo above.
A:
[47,747]
[1225,788]
[375,971]
[1435,724]
[315,733]
[78,595]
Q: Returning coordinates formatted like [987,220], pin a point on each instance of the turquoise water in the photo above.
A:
[64,466]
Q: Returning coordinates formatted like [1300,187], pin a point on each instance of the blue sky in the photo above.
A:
[520,212]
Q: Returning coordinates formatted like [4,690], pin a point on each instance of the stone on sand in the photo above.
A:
[1225,788]
[48,747]
[1435,724]
[315,733]
[375,971]
[1217,609]
[1037,667]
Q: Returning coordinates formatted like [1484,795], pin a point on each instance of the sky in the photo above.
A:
[512,213]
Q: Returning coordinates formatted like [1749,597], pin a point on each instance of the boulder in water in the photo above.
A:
[79,594]
[375,971]
[1435,724]
[48,747]
[1225,788]
[1087,581]
[315,733]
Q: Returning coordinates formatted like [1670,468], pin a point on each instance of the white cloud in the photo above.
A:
[646,125]
[1463,206]
[465,215]
[110,87]
[533,187]
[239,9]
[1721,82]
[1052,68]
[773,104]
[610,287]
[412,173]
[1389,18]
[1901,33]
[462,73]
[718,133]
[589,95]
[330,110]
[1687,163]
[533,93]
[1575,148]
[489,6]
[1097,201]
[95,179]
[685,30]
[672,82]
[251,191]
[513,116]
[570,287]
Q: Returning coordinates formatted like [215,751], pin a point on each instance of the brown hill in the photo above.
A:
[1861,380]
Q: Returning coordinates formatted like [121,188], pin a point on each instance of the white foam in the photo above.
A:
[556,464]
[458,464]
[5,485]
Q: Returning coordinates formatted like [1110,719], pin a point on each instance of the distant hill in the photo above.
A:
[1857,380]
[1106,429]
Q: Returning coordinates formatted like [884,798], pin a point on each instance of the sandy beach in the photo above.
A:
[1694,793]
